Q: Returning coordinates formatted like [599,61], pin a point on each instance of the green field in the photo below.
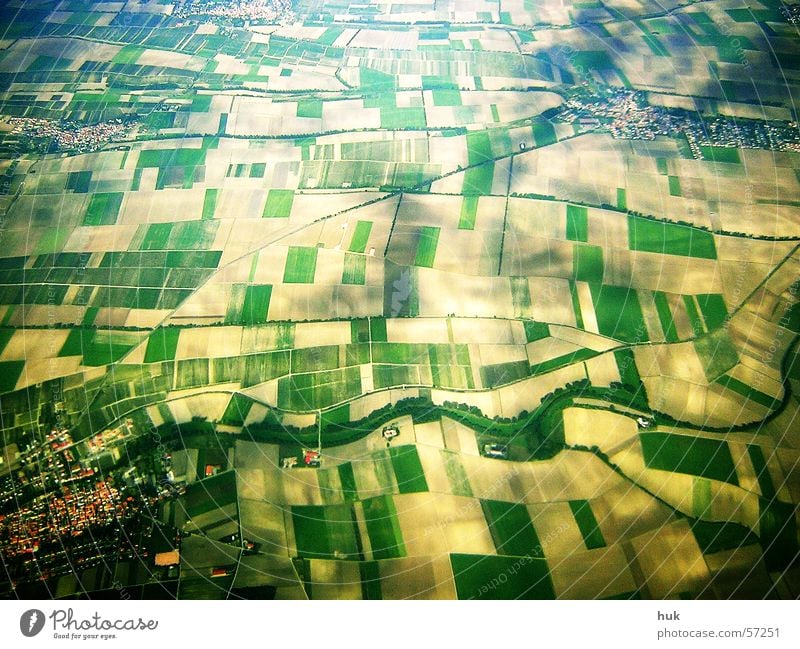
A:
[479,180]
[587,523]
[103,209]
[10,371]
[707,458]
[355,269]
[749,392]
[210,203]
[716,353]
[619,314]
[762,471]
[665,316]
[587,263]
[301,265]
[360,236]
[256,304]
[487,577]
[649,235]
[325,532]
[577,223]
[385,537]
[279,203]
[469,212]
[511,528]
[426,246]
[162,345]
[408,469]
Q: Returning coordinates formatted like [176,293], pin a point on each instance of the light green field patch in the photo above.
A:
[426,246]
[469,212]
[587,263]
[279,204]
[456,475]
[674,186]
[577,223]
[479,180]
[649,235]
[446,97]
[355,269]
[301,265]
[717,353]
[360,236]
[701,496]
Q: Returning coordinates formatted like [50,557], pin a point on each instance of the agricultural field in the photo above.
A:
[404,300]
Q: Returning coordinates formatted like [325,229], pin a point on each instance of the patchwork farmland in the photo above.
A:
[402,300]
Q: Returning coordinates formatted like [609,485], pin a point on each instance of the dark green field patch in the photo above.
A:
[355,269]
[360,236]
[327,532]
[301,265]
[535,330]
[408,469]
[162,345]
[96,351]
[618,312]
[749,392]
[78,181]
[577,223]
[10,372]
[694,315]
[488,577]
[707,458]
[626,363]
[369,571]
[648,235]
[777,533]
[499,374]
[256,304]
[103,209]
[511,529]
[279,204]
[665,316]
[587,263]
[237,410]
[724,154]
[587,524]
[544,133]
[762,471]
[386,539]
[674,186]
[713,308]
[348,481]
[5,336]
[211,493]
[719,537]
[163,158]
